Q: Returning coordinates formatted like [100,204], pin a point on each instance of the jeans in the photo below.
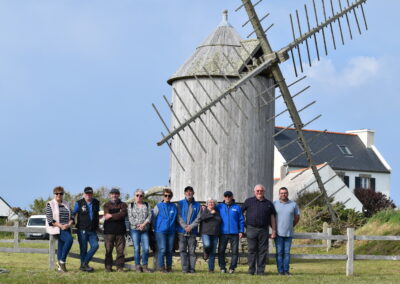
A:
[210,245]
[111,240]
[140,238]
[64,244]
[187,249]
[223,242]
[257,240]
[83,238]
[165,246]
[283,245]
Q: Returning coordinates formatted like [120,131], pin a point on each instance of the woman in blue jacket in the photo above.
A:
[165,214]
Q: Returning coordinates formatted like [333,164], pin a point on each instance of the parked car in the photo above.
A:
[37,221]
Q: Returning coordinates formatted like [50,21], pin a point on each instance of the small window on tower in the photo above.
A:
[345,150]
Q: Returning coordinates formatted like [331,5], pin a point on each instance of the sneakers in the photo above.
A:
[169,269]
[109,269]
[138,268]
[86,268]
[61,266]
[231,271]
[287,273]
[205,256]
[223,270]
[146,269]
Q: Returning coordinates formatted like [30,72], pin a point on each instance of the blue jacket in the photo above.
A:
[166,218]
[184,208]
[232,218]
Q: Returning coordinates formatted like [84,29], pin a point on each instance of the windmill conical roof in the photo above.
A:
[210,55]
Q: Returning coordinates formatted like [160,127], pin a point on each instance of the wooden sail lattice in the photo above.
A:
[268,63]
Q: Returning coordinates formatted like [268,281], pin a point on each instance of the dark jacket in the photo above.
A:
[83,218]
[115,225]
[210,223]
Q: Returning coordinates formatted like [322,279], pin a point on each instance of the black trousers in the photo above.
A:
[257,240]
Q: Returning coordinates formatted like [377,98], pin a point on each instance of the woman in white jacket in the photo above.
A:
[58,223]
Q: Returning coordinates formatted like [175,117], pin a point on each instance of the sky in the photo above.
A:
[78,77]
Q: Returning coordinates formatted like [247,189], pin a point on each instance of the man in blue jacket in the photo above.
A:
[188,219]
[232,228]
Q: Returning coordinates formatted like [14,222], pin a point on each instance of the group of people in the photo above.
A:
[217,223]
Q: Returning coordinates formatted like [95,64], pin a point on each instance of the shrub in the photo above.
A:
[372,201]
[306,197]
[312,219]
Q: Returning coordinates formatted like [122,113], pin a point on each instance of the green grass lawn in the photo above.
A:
[33,268]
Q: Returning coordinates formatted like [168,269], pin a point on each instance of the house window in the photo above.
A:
[366,182]
[344,178]
[345,151]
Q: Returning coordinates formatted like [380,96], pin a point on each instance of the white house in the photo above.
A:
[6,211]
[352,155]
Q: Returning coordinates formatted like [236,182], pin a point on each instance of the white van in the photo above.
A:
[37,221]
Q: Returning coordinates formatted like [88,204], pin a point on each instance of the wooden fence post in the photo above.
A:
[16,235]
[329,242]
[325,231]
[52,252]
[350,251]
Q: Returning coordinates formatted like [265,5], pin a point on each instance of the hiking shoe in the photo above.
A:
[61,266]
[138,268]
[146,269]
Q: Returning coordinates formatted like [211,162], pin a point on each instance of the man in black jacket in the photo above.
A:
[87,212]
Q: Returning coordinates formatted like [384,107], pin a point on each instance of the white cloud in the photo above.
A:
[357,72]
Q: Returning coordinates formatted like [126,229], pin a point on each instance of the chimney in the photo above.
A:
[367,136]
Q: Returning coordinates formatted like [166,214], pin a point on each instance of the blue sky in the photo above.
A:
[77,79]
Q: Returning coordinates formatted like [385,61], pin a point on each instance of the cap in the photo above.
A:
[228,193]
[188,188]
[88,189]
[115,190]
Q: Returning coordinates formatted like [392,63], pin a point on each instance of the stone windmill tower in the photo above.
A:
[223,102]
[232,147]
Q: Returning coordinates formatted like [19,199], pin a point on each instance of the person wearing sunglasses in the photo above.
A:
[139,215]
[165,215]
[58,224]
[86,211]
[232,229]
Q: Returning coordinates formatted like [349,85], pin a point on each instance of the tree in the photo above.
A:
[38,207]
[373,201]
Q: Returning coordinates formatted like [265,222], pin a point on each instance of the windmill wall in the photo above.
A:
[240,160]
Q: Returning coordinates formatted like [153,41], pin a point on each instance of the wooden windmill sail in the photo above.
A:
[238,83]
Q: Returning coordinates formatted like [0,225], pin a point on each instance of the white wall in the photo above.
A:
[382,181]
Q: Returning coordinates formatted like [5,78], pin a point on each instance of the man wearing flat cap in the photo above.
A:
[232,229]
[114,230]
[86,211]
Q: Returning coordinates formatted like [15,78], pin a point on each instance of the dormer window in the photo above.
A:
[345,151]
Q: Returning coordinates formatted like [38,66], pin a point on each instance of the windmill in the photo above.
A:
[234,89]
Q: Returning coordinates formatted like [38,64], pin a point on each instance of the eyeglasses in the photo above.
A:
[168,195]
[59,193]
[139,195]
[260,190]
